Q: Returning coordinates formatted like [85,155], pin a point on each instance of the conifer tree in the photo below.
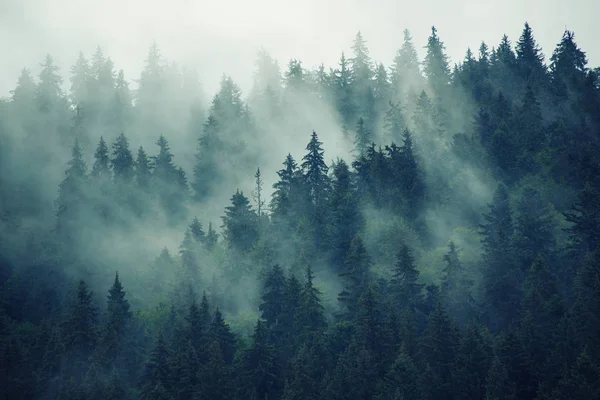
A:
[530,59]
[436,66]
[283,195]
[101,167]
[346,219]
[197,232]
[355,276]
[122,160]
[155,384]
[212,237]
[80,80]
[215,376]
[343,91]
[362,138]
[456,288]
[240,227]
[80,326]
[221,332]
[405,290]
[71,193]
[118,319]
[406,72]
[310,318]
[142,169]
[273,297]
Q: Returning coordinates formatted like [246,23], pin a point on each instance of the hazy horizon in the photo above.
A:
[223,37]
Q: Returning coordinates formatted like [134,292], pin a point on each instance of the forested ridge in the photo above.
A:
[436,234]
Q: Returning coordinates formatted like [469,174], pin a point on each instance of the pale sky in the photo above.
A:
[223,36]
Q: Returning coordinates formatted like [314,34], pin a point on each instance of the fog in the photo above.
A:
[219,37]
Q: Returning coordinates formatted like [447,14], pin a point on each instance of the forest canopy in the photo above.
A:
[421,230]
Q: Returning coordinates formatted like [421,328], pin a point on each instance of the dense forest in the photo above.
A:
[436,234]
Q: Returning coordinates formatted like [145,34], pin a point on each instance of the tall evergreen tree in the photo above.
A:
[101,167]
[406,72]
[355,276]
[405,290]
[530,59]
[240,227]
[122,160]
[436,66]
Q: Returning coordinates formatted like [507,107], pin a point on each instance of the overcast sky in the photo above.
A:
[222,36]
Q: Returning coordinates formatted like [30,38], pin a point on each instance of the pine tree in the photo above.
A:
[394,122]
[273,297]
[456,285]
[472,364]
[281,202]
[362,138]
[530,59]
[346,219]
[439,346]
[257,194]
[315,171]
[405,291]
[499,386]
[80,325]
[155,383]
[260,377]
[101,167]
[355,276]
[568,65]
[215,376]
[401,381]
[361,67]
[71,197]
[142,169]
[343,91]
[306,375]
[533,228]
[501,274]
[197,232]
[221,332]
[212,237]
[49,95]
[121,110]
[118,318]
[436,66]
[310,318]
[406,73]
[587,304]
[80,77]
[122,161]
[240,227]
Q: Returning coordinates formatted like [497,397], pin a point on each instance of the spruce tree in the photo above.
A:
[240,223]
[122,161]
[101,167]
[355,276]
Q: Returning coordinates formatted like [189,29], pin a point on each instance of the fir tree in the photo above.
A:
[101,167]
[240,227]
[122,161]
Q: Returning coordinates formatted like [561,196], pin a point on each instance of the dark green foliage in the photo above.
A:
[355,276]
[122,160]
[101,167]
[142,169]
[405,290]
[513,315]
[345,218]
[456,288]
[240,223]
[436,66]
[79,330]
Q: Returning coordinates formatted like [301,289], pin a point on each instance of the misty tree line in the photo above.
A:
[455,255]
